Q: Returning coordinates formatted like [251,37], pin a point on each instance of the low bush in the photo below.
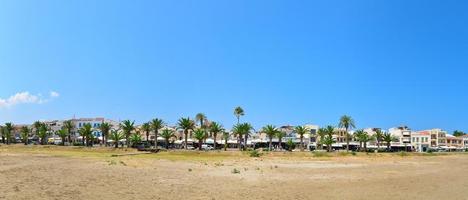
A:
[254,153]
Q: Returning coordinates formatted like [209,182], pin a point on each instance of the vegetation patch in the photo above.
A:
[319,154]
[235,171]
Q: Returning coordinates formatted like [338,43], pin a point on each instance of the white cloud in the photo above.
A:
[26,98]
[54,94]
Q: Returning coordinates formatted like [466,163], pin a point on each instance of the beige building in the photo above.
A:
[421,141]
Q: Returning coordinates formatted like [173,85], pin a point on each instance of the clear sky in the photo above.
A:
[385,63]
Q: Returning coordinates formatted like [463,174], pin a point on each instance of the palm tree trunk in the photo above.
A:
[365,146]
[280,141]
[329,147]
[269,147]
[302,144]
[240,142]
[199,144]
[147,136]
[225,144]
[214,144]
[167,144]
[156,139]
[347,140]
[245,141]
[388,146]
[186,134]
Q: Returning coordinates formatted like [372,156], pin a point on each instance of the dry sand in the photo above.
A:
[56,173]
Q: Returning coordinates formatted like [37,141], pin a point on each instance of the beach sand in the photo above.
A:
[74,173]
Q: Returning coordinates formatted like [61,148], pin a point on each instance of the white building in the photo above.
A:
[421,141]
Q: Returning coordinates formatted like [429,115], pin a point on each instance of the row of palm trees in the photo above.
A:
[200,129]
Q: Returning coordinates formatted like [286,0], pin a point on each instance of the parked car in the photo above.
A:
[207,147]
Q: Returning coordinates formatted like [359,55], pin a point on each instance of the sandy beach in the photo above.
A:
[76,173]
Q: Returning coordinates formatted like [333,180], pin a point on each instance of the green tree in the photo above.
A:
[135,138]
[201,118]
[146,127]
[215,128]
[280,135]
[62,133]
[378,137]
[105,129]
[9,127]
[363,138]
[69,126]
[156,124]
[241,130]
[388,138]
[328,139]
[25,132]
[127,127]
[43,133]
[347,123]
[37,125]
[116,136]
[290,145]
[321,135]
[301,131]
[458,133]
[271,132]
[238,112]
[167,134]
[86,133]
[199,134]
[225,138]
[2,132]
[187,125]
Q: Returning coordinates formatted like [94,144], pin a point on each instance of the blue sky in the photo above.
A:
[385,63]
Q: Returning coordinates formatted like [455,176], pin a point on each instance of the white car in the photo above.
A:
[207,147]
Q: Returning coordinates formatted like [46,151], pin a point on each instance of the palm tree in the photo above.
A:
[25,131]
[238,112]
[328,139]
[301,130]
[105,128]
[321,134]
[62,133]
[43,132]
[86,132]
[240,130]
[215,128]
[156,124]
[2,132]
[69,126]
[280,135]
[116,136]
[135,138]
[347,123]
[146,127]
[199,134]
[186,124]
[167,134]
[8,131]
[127,127]
[388,138]
[201,118]
[363,138]
[225,138]
[271,132]
[378,137]
[37,125]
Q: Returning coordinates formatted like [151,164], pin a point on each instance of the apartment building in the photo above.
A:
[421,141]
[402,134]
[454,143]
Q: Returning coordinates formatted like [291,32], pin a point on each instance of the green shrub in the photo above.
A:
[235,171]
[320,154]
[254,153]
[403,153]
[290,145]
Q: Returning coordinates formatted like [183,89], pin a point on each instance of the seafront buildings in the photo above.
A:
[404,139]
